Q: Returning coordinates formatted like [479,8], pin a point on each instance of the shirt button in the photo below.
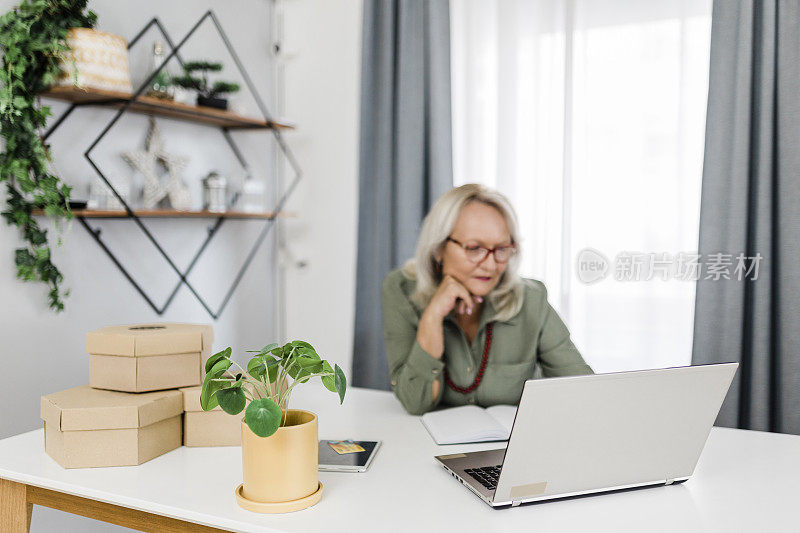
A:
[469,369]
[394,382]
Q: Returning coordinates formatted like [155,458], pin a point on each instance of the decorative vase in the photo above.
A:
[219,103]
[280,471]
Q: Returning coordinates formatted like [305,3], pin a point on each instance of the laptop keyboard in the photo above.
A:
[486,476]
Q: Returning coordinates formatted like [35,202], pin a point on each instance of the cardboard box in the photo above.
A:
[148,357]
[86,427]
[208,428]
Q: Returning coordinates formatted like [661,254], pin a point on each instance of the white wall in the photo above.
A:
[46,350]
[322,95]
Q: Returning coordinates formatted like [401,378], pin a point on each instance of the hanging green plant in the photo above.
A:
[32,39]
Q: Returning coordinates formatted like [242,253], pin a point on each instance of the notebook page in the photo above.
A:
[504,414]
[460,425]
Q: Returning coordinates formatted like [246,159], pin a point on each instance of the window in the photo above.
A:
[590,116]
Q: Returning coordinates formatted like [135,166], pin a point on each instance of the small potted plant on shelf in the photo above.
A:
[195,77]
[279,445]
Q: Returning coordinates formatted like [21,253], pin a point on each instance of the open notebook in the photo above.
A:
[470,423]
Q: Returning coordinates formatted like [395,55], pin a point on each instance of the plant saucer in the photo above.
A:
[279,507]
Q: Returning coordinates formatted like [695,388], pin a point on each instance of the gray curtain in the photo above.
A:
[406,156]
[751,204]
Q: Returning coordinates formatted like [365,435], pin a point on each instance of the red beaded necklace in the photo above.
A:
[481,370]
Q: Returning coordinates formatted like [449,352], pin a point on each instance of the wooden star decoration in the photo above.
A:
[147,162]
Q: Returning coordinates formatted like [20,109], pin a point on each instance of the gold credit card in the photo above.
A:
[345,446]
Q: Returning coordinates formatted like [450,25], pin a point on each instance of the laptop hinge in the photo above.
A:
[515,503]
[670,481]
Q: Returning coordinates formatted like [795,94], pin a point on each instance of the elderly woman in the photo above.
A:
[460,326]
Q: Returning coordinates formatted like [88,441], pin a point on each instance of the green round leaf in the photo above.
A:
[302,367]
[307,353]
[219,368]
[208,398]
[256,367]
[232,399]
[263,417]
[303,344]
[270,347]
[341,383]
[328,381]
[272,372]
[311,366]
[287,349]
[217,357]
[297,372]
[277,352]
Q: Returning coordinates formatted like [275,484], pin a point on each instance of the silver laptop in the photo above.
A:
[579,435]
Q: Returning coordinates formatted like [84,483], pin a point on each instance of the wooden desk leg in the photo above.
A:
[113,514]
[15,511]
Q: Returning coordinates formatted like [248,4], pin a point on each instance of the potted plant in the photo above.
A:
[32,42]
[279,445]
[207,93]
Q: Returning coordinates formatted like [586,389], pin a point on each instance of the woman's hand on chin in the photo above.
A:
[452,294]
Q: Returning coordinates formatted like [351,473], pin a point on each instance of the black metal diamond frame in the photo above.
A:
[212,231]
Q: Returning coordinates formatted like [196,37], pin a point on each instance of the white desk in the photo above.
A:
[745,481]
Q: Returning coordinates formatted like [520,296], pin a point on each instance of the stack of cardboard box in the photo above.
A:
[147,357]
[140,379]
[208,428]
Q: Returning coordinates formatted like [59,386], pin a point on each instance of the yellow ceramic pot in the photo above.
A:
[283,466]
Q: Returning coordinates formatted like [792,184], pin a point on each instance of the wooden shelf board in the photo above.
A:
[170,213]
[154,106]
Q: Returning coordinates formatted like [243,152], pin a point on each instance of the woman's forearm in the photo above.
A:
[430,335]
[430,338]
[435,390]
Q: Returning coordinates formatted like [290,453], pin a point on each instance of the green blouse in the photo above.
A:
[533,343]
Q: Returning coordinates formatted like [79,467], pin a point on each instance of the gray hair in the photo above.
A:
[507,296]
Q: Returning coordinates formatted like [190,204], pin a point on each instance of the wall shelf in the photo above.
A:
[171,213]
[226,121]
[147,105]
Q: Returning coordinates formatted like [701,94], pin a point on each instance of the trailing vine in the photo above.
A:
[32,39]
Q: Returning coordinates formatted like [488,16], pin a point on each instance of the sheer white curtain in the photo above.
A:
[590,115]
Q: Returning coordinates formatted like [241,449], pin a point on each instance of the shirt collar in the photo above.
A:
[488,315]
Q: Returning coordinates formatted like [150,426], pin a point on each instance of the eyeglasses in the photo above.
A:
[476,254]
